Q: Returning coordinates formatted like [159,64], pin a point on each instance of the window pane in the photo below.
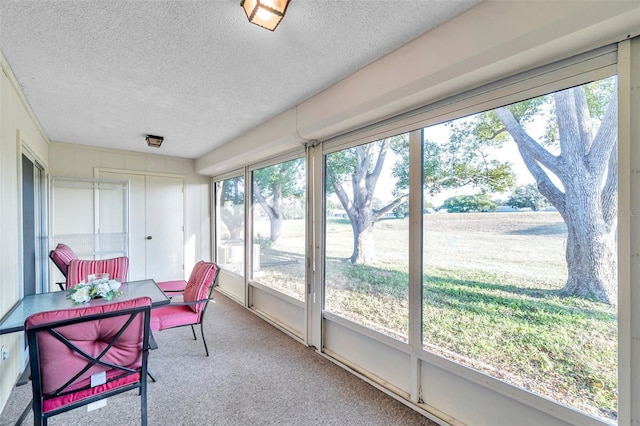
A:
[279,227]
[230,222]
[366,240]
[520,260]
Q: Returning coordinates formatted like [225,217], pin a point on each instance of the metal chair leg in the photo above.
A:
[194,332]
[152,346]
[25,413]
[143,402]
[203,339]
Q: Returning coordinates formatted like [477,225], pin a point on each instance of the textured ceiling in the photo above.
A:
[108,72]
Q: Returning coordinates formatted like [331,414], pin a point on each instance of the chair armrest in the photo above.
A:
[195,302]
[173,293]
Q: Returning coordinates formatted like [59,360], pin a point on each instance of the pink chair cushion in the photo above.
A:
[199,283]
[172,316]
[116,267]
[58,363]
[62,255]
[172,286]
[61,401]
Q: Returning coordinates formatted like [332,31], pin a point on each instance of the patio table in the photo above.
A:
[14,320]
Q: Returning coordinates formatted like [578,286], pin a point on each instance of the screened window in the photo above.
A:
[519,245]
[279,194]
[366,235]
[230,223]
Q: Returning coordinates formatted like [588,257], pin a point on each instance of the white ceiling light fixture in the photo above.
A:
[154,141]
[265,13]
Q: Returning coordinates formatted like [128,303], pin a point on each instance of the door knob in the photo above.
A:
[149,237]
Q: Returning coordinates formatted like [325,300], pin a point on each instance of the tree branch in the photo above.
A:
[583,116]
[605,139]
[389,207]
[545,185]
[263,202]
[344,200]
[525,142]
[372,178]
[610,190]
[572,145]
[495,134]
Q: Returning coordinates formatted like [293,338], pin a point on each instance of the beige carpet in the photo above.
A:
[256,375]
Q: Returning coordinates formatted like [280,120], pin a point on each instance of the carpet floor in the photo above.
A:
[256,375]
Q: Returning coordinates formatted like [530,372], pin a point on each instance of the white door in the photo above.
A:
[156,235]
[165,228]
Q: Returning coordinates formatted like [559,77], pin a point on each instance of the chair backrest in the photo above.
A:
[61,256]
[70,350]
[202,280]
[116,267]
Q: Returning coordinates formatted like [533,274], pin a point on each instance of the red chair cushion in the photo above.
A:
[199,283]
[58,363]
[62,255]
[61,401]
[172,286]
[172,316]
[116,267]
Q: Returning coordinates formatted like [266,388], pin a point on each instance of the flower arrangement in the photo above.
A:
[97,286]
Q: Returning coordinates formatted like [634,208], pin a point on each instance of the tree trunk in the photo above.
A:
[275,229]
[273,212]
[363,252]
[233,219]
[587,168]
[592,267]
[276,216]
[591,250]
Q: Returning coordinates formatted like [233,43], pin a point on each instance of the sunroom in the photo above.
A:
[454,223]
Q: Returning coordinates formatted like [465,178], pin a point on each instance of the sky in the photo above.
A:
[440,133]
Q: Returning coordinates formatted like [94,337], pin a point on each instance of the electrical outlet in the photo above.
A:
[5,353]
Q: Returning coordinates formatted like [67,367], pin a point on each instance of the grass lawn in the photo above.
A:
[490,299]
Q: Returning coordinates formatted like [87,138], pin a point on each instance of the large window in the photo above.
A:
[366,235]
[230,224]
[279,194]
[519,260]
[502,273]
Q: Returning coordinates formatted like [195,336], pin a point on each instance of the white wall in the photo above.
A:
[80,161]
[17,126]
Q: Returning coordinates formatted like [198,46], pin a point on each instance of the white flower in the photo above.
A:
[81,295]
[114,284]
[102,288]
[83,292]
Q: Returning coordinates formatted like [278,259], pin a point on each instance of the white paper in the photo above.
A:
[98,404]
[98,379]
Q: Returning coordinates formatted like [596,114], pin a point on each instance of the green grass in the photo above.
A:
[564,348]
[490,300]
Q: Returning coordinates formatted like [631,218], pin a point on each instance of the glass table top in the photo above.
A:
[14,320]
